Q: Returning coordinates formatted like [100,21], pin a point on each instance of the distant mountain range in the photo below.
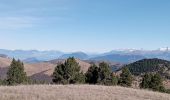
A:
[120,56]
[32,60]
[79,55]
[32,54]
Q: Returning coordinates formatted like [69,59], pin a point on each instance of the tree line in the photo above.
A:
[70,72]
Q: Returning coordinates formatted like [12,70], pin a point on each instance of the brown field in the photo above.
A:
[77,92]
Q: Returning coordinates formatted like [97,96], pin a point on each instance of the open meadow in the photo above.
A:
[77,92]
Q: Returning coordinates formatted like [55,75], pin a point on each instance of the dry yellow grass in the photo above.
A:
[77,92]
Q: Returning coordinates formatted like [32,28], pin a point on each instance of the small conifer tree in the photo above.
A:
[68,73]
[125,78]
[16,74]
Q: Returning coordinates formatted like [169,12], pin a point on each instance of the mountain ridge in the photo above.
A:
[129,55]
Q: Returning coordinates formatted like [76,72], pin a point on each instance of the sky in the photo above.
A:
[84,25]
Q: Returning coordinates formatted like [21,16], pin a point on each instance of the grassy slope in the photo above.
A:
[77,92]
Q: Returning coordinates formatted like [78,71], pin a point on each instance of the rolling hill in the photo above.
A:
[84,65]
[30,69]
[31,60]
[3,56]
[154,65]
[41,71]
[150,65]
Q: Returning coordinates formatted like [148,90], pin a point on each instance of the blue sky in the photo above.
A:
[84,25]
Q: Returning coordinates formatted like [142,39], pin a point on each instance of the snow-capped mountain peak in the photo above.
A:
[164,49]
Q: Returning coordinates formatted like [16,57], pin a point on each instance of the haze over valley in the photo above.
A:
[119,55]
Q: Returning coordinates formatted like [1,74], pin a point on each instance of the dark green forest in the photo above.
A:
[150,66]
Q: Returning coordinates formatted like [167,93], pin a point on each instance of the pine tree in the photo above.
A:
[68,73]
[153,82]
[92,74]
[100,75]
[125,78]
[104,73]
[16,74]
[80,78]
[156,82]
[146,81]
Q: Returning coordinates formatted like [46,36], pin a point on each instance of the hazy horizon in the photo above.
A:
[88,26]
[96,52]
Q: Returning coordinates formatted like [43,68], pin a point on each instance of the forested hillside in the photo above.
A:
[150,65]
